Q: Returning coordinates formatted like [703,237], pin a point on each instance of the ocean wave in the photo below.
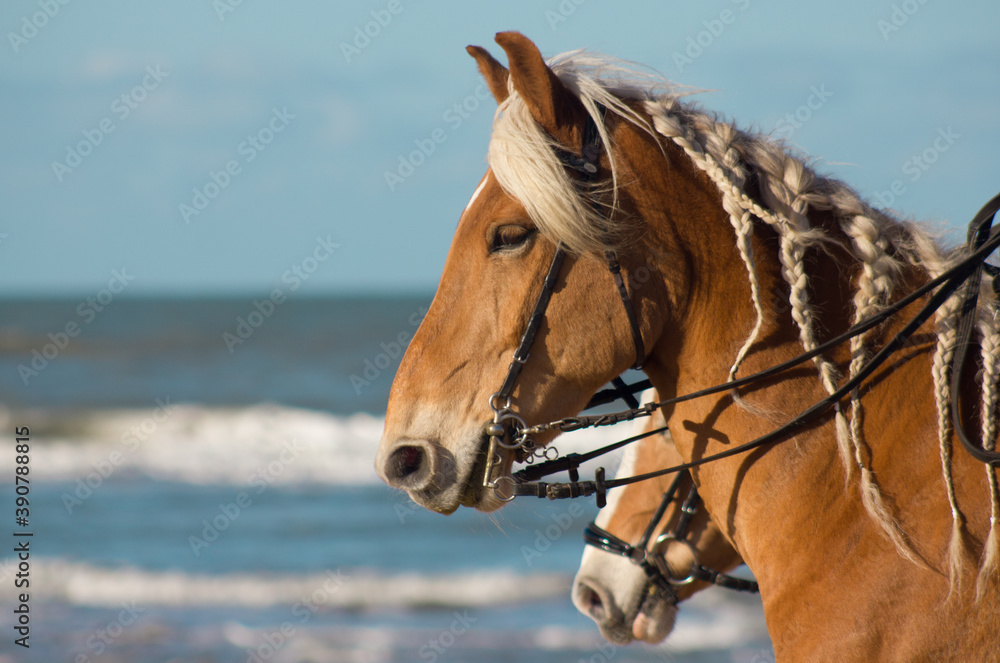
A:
[83,584]
[711,620]
[216,446]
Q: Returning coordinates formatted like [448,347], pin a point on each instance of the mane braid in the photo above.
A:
[990,347]
[788,194]
[941,371]
[524,162]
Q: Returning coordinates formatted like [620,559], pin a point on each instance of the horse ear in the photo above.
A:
[496,74]
[554,107]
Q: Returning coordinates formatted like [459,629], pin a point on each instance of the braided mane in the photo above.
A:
[522,158]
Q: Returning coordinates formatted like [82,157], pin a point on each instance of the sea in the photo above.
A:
[201,489]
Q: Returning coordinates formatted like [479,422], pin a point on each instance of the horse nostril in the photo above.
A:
[405,461]
[591,599]
[411,465]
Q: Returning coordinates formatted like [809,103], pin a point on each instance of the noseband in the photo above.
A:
[652,560]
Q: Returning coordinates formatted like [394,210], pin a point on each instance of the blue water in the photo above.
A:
[134,351]
[158,529]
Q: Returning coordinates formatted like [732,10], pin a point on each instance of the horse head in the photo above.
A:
[434,444]
[618,593]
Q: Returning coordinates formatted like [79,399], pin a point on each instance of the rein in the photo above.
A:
[949,282]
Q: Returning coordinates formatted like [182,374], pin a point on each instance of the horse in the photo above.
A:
[871,536]
[619,594]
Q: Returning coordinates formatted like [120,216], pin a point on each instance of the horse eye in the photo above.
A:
[509,237]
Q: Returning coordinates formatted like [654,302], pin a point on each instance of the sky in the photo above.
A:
[215,147]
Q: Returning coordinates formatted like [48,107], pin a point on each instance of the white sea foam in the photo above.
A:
[541,643]
[212,445]
[84,584]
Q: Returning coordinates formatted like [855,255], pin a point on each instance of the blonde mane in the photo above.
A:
[522,158]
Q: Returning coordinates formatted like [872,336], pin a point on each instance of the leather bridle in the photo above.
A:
[587,165]
[652,560]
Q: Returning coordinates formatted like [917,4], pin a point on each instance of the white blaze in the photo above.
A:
[475,194]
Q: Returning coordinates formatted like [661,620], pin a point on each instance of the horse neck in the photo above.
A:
[765,499]
[700,352]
